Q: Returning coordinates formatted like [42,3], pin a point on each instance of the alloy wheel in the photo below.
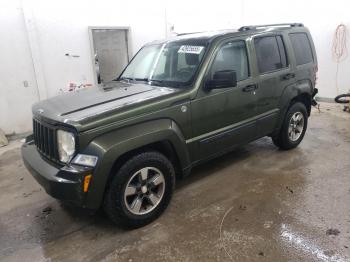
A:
[296,126]
[144,190]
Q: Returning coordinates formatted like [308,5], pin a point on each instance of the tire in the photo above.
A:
[127,203]
[340,99]
[285,140]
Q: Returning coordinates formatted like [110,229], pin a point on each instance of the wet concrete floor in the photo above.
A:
[255,204]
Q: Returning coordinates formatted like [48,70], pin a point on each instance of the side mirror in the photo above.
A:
[222,79]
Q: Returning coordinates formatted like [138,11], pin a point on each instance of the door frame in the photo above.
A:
[92,48]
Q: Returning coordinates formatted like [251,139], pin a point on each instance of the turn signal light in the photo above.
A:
[87,182]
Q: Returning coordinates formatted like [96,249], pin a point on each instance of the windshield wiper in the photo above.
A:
[150,81]
[155,81]
[142,79]
[134,79]
[147,80]
[126,78]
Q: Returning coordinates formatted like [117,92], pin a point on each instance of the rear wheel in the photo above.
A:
[141,190]
[293,128]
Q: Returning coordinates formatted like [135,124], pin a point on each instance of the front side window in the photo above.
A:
[232,56]
[270,53]
[170,64]
[301,47]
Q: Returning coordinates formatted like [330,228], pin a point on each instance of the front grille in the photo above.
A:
[45,140]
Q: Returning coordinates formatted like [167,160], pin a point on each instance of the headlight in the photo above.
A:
[66,145]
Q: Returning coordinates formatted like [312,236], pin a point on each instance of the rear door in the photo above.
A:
[274,74]
[305,58]
[222,118]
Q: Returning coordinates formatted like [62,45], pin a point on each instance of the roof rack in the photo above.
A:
[254,27]
[189,33]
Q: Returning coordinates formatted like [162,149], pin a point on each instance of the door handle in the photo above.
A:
[288,76]
[250,88]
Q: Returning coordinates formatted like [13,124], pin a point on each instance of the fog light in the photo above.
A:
[87,182]
[85,160]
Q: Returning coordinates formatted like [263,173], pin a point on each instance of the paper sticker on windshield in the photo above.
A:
[190,49]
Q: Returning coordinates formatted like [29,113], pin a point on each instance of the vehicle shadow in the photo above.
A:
[238,155]
[214,165]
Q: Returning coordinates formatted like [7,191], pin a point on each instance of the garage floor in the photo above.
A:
[254,204]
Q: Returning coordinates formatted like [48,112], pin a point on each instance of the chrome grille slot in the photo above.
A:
[45,139]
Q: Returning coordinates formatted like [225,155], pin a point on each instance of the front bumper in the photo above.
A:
[64,183]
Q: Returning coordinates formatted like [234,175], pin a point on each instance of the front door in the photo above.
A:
[223,118]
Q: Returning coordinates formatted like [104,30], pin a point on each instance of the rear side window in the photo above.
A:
[270,53]
[301,47]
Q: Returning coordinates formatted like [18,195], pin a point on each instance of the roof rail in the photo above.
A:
[254,27]
[189,33]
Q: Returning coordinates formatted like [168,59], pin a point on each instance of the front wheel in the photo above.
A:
[141,190]
[293,128]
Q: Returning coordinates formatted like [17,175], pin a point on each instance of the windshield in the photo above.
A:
[170,64]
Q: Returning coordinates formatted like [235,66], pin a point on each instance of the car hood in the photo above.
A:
[87,104]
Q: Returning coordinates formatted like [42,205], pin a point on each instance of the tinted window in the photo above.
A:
[270,53]
[232,56]
[282,50]
[302,48]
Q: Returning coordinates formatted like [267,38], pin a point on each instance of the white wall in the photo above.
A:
[321,17]
[15,67]
[36,35]
[63,28]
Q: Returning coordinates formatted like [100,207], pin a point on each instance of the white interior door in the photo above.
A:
[111,51]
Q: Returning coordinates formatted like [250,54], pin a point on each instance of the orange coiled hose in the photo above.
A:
[339,49]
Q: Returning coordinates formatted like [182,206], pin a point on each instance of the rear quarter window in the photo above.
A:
[302,48]
[270,53]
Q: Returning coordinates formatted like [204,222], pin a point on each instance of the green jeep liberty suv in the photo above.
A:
[179,102]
